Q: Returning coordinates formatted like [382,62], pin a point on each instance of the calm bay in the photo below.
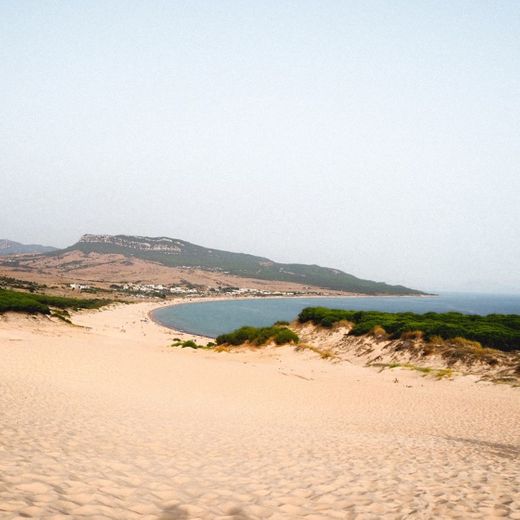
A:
[211,318]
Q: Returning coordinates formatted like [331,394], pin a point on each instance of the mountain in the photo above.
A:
[173,252]
[8,247]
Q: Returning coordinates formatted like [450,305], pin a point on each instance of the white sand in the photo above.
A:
[110,422]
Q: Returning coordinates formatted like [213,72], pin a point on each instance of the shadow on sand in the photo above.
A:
[173,513]
[502,450]
[177,513]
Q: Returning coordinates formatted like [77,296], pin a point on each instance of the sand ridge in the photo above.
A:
[105,420]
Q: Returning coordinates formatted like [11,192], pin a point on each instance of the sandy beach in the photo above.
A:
[105,420]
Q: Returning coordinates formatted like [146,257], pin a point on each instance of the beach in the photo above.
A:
[105,420]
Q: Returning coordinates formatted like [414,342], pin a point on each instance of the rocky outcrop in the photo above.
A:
[163,244]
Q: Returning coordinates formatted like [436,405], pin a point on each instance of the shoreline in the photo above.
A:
[177,331]
[105,419]
[209,299]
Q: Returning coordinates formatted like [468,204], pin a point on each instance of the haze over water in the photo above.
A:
[216,317]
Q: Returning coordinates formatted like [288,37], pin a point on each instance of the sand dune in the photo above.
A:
[107,421]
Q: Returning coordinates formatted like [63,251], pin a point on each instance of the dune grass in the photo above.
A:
[323,353]
[189,343]
[438,373]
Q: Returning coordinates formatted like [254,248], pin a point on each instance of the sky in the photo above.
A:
[378,137]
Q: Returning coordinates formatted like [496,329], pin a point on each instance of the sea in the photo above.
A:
[211,318]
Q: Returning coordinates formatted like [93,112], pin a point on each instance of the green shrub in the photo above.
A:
[500,331]
[189,343]
[284,336]
[258,336]
[32,303]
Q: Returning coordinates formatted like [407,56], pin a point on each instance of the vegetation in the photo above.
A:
[61,314]
[239,264]
[258,336]
[499,331]
[438,373]
[8,247]
[323,353]
[32,303]
[465,350]
[189,343]
[7,282]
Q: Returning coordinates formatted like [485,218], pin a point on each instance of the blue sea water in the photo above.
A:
[214,318]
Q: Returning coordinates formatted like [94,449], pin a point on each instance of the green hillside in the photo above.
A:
[8,247]
[175,253]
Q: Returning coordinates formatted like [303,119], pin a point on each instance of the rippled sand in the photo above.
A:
[110,422]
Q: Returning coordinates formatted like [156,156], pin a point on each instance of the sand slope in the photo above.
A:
[109,422]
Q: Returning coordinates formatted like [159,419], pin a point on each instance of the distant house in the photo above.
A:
[78,287]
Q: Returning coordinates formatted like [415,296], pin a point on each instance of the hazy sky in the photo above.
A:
[380,137]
